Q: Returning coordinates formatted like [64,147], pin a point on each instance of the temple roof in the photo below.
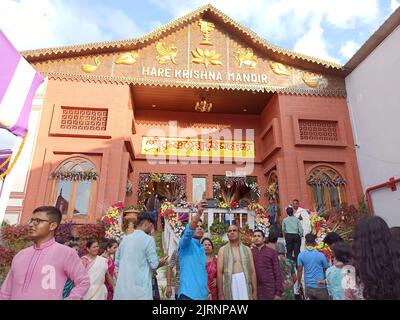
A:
[275,52]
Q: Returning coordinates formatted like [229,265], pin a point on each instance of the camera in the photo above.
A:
[212,203]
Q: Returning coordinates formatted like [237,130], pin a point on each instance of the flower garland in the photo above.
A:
[261,221]
[320,229]
[255,189]
[272,191]
[75,175]
[112,220]
[223,205]
[146,178]
[241,181]
[250,182]
[168,213]
[216,187]
[326,181]
[234,205]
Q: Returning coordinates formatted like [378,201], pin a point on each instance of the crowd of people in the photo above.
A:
[366,268]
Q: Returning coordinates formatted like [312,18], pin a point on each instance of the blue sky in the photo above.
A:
[327,29]
[331,29]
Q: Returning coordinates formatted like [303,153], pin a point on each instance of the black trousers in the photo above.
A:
[293,244]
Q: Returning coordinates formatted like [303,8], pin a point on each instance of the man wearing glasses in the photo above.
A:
[39,272]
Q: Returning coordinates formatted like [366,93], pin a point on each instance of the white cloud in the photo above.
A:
[349,48]
[394,5]
[280,19]
[30,25]
[313,43]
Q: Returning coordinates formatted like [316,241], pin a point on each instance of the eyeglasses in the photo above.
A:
[36,221]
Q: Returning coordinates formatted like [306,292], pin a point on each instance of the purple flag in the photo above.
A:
[18,84]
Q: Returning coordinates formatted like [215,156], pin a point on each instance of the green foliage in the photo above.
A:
[4,224]
[363,205]
[343,220]
[218,242]
[135,207]
[218,227]
[246,229]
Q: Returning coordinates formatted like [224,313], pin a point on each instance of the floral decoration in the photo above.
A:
[234,205]
[172,217]
[261,221]
[320,229]
[112,221]
[135,207]
[326,181]
[223,205]
[216,187]
[75,175]
[229,182]
[146,178]
[272,190]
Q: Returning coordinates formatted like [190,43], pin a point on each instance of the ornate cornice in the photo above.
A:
[187,84]
[99,47]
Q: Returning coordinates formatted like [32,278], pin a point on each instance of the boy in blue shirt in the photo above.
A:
[313,262]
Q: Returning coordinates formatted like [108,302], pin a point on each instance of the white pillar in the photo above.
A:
[210,213]
[250,219]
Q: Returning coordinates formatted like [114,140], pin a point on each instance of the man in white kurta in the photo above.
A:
[137,260]
[303,215]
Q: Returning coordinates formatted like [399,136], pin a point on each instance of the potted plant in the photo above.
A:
[130,215]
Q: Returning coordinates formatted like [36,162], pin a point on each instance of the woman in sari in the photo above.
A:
[211,267]
[97,269]
[110,249]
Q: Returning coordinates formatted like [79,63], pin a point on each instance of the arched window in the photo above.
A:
[327,188]
[74,188]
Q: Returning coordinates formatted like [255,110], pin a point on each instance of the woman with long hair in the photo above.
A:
[109,253]
[342,259]
[97,269]
[211,267]
[376,259]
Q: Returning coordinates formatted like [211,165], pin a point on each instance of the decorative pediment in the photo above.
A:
[204,49]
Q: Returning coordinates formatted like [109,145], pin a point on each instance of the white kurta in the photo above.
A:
[137,257]
[305,223]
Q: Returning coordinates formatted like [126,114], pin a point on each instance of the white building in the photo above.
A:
[373,97]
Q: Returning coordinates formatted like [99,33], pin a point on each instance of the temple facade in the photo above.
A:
[200,108]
